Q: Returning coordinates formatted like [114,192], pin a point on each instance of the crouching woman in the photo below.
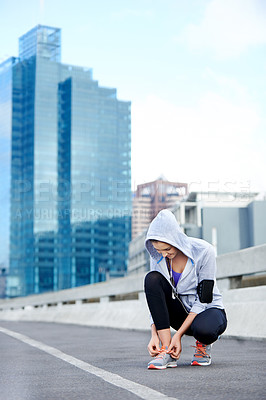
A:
[181,293]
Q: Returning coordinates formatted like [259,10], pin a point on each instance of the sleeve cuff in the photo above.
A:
[197,308]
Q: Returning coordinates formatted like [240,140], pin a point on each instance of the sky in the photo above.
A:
[193,70]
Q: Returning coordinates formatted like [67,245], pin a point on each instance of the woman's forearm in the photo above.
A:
[186,324]
[183,328]
[153,330]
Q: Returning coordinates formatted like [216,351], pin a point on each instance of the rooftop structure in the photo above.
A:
[229,221]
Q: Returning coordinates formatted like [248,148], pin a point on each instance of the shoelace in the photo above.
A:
[200,350]
[161,353]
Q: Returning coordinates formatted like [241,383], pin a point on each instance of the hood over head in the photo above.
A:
[165,228]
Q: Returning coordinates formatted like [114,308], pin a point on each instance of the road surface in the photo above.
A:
[71,362]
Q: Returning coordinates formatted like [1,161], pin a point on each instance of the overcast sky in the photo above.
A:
[194,71]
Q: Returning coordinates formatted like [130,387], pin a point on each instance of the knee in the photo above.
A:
[208,325]
[203,334]
[152,280]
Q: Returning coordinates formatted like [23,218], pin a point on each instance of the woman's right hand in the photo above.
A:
[154,346]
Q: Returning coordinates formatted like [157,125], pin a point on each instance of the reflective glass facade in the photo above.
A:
[70,172]
[6,69]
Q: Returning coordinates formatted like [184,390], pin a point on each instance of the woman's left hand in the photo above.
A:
[175,347]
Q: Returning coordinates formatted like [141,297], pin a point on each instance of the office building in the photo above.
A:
[150,198]
[70,172]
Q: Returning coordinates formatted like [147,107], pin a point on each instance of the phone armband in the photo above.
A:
[205,290]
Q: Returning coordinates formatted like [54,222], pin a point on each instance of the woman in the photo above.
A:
[181,293]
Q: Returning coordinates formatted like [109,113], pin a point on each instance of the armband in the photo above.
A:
[204,290]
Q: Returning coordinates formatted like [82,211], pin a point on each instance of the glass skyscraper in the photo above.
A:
[70,175]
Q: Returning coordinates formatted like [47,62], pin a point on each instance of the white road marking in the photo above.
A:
[137,389]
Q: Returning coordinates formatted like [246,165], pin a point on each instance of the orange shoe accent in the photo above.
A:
[195,363]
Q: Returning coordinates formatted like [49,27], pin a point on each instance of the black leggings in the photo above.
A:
[166,311]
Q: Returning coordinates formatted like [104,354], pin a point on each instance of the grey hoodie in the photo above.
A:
[201,265]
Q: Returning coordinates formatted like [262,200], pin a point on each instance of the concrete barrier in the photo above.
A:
[120,303]
[233,268]
[245,308]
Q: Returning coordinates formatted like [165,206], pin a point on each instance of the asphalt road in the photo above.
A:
[70,362]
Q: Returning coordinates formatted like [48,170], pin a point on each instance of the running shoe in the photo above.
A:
[202,354]
[162,360]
